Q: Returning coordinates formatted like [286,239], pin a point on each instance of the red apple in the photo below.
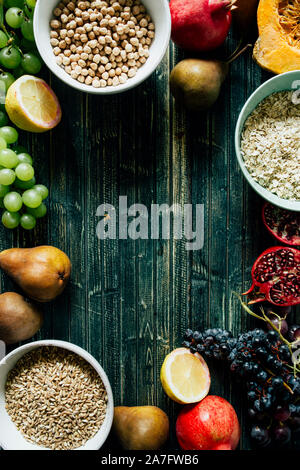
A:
[211,424]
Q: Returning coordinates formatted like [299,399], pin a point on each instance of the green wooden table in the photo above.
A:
[129,302]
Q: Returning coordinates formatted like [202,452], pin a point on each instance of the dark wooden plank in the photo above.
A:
[128,178]
[102,258]
[162,248]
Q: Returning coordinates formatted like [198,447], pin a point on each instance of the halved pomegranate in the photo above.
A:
[282,224]
[276,277]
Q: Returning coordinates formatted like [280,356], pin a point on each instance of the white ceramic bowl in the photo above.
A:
[160,14]
[10,437]
[285,81]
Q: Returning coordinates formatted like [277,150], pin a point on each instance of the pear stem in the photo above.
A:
[237,53]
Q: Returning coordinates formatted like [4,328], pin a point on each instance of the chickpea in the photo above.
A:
[101,43]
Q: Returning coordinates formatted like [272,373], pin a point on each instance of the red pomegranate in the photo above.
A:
[211,424]
[282,224]
[200,25]
[276,277]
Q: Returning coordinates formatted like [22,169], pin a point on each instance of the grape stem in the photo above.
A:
[266,319]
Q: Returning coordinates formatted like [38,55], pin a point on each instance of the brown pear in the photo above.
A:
[19,318]
[141,427]
[41,272]
[196,83]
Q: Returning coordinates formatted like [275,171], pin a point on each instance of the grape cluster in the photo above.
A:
[20,196]
[18,52]
[264,364]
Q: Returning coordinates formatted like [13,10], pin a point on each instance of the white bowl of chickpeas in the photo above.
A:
[102,47]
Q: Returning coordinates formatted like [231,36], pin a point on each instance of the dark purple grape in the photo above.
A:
[282,413]
[197,336]
[251,395]
[260,436]
[277,383]
[200,348]
[272,336]
[266,403]
[188,335]
[294,383]
[252,413]
[294,333]
[282,435]
[281,325]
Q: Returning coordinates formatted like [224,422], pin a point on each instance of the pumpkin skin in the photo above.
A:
[272,50]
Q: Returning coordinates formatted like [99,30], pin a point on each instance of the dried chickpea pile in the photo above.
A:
[101,43]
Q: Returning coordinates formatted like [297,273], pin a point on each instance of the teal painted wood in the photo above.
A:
[129,302]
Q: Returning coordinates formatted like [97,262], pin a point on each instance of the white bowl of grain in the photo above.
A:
[267,140]
[57,395]
[139,68]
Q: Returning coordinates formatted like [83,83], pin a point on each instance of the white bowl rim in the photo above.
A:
[107,424]
[292,205]
[111,90]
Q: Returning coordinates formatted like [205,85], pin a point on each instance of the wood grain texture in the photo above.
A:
[129,302]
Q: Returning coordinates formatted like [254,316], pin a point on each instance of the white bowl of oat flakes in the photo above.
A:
[267,140]
[102,47]
[53,395]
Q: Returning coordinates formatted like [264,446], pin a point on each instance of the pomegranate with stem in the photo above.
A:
[282,224]
[200,25]
[276,277]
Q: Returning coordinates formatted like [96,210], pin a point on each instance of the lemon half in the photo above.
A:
[32,105]
[185,376]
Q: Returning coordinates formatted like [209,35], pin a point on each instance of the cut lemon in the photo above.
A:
[185,376]
[32,105]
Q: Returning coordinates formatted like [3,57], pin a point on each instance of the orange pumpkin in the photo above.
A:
[278,46]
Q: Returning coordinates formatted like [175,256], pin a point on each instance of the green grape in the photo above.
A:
[27,29]
[39,212]
[11,219]
[13,202]
[42,190]
[24,157]
[24,184]
[3,39]
[31,63]
[7,176]
[28,221]
[9,134]
[8,158]
[24,171]
[3,119]
[10,57]
[14,3]
[31,198]
[31,3]
[3,143]
[14,17]
[4,190]
[7,78]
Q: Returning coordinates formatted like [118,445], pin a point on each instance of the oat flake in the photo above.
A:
[270,145]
